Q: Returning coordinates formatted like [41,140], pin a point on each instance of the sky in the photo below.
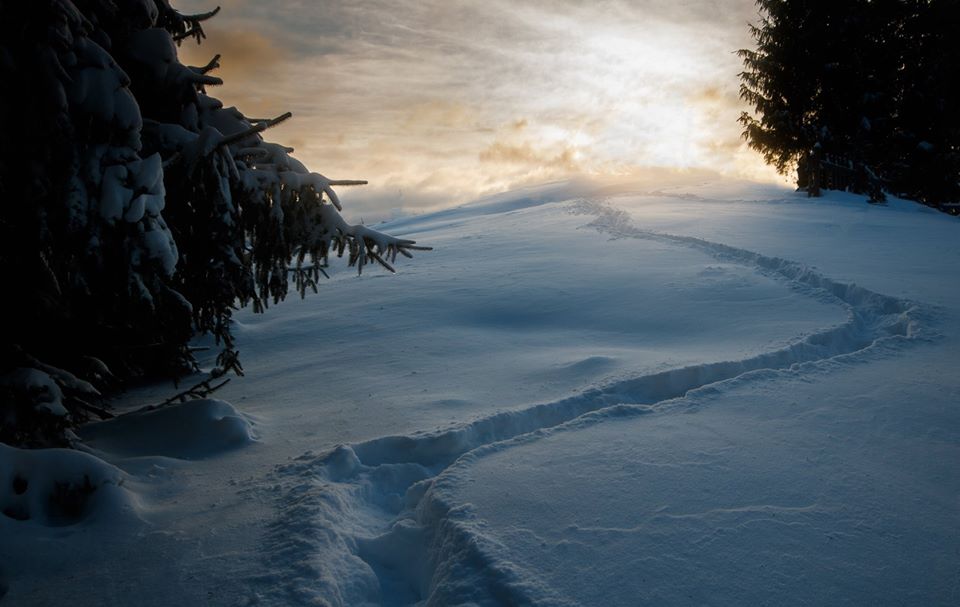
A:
[436,103]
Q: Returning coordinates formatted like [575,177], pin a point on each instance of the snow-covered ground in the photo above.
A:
[699,392]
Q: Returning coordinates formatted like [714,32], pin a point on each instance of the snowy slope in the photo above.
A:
[831,482]
[710,392]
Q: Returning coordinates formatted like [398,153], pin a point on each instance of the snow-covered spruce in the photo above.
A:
[144,209]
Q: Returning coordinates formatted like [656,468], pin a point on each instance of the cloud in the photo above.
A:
[526,154]
[437,102]
[253,66]
[439,114]
[246,54]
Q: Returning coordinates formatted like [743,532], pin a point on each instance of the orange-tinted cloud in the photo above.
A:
[245,53]
[439,113]
[436,101]
[561,157]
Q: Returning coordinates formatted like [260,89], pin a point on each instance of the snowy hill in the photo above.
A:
[711,392]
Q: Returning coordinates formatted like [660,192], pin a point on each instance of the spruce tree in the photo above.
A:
[926,139]
[136,209]
[856,95]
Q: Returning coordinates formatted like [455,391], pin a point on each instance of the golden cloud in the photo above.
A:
[527,154]
[439,113]
[244,53]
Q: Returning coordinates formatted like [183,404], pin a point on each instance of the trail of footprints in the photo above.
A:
[349,517]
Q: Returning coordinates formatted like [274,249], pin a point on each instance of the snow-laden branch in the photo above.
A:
[369,244]
[257,128]
[200,17]
[209,67]
[182,26]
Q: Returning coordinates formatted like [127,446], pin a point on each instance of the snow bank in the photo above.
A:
[68,515]
[195,429]
[57,487]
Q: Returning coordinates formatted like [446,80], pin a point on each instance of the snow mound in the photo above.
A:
[195,429]
[59,487]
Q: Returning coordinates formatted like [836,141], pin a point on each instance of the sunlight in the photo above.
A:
[641,89]
[434,108]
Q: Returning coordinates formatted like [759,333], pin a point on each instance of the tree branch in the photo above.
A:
[346,182]
[257,128]
[209,67]
[199,17]
[196,30]
[198,390]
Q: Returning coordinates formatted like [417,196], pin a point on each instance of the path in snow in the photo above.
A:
[365,523]
[617,416]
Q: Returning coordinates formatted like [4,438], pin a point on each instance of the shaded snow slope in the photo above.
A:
[425,551]
[763,491]
[696,393]
[518,306]
[829,482]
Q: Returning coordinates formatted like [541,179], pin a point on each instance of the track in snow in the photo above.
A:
[358,524]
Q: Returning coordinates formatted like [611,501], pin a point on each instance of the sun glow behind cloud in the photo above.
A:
[437,103]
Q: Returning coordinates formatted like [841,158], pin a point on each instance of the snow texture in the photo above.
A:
[191,430]
[59,487]
[45,391]
[671,394]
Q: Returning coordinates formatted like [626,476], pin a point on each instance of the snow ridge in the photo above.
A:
[370,523]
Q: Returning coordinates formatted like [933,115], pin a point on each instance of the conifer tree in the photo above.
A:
[865,88]
[137,209]
[927,131]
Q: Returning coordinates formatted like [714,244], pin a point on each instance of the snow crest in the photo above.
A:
[374,522]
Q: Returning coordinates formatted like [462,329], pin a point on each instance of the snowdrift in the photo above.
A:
[60,487]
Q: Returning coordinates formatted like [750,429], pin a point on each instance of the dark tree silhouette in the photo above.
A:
[137,209]
[857,95]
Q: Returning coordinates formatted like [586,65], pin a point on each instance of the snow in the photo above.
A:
[697,391]
[191,430]
[732,496]
[114,194]
[98,87]
[39,485]
[159,245]
[44,390]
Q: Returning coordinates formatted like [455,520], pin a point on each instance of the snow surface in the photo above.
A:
[191,430]
[700,392]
